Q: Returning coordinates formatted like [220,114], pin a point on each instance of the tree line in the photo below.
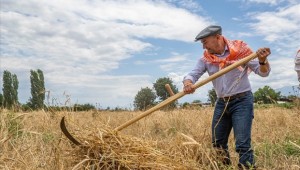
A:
[9,97]
[148,97]
[144,99]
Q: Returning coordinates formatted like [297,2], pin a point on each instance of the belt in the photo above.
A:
[234,96]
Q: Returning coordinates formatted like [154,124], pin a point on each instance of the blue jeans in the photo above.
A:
[237,115]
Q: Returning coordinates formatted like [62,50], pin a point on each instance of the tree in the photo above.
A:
[266,95]
[10,90]
[144,99]
[161,91]
[196,101]
[212,96]
[15,85]
[37,89]
[1,100]
[84,107]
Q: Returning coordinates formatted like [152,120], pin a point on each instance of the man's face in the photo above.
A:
[211,44]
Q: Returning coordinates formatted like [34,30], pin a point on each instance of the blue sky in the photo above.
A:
[103,52]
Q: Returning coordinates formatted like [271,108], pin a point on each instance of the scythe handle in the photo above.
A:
[181,94]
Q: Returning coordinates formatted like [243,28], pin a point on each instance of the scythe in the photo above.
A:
[170,99]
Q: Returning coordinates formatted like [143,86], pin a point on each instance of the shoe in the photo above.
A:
[246,167]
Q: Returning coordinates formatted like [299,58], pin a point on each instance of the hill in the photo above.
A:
[289,90]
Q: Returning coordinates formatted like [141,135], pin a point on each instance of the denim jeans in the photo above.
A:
[238,115]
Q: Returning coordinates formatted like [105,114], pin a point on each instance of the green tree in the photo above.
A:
[144,99]
[161,91]
[1,100]
[37,89]
[84,107]
[15,85]
[212,96]
[196,101]
[266,95]
[10,90]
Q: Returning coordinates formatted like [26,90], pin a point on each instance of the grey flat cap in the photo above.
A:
[210,30]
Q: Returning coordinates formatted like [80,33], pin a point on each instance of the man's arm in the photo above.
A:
[262,54]
[193,76]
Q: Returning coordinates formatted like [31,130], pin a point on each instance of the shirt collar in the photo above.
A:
[224,53]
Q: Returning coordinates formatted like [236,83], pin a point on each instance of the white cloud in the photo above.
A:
[276,25]
[191,5]
[272,2]
[172,59]
[77,42]
[280,27]
[177,63]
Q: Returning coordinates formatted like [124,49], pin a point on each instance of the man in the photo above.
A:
[234,106]
[297,65]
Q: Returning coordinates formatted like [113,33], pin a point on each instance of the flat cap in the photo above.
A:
[210,30]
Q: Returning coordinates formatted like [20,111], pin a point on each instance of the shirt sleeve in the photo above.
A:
[197,72]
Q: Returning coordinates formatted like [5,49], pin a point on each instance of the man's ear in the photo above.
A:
[218,36]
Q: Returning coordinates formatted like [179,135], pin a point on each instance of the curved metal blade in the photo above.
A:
[67,133]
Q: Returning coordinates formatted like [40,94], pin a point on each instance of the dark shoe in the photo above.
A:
[226,161]
[246,167]
[223,156]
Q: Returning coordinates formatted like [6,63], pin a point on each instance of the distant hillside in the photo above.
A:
[289,90]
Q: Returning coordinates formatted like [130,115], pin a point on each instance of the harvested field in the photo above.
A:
[178,139]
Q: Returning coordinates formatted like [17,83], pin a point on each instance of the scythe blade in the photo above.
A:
[67,133]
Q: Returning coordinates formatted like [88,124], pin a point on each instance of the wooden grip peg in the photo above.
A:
[170,91]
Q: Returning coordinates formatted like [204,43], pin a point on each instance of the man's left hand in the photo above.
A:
[262,54]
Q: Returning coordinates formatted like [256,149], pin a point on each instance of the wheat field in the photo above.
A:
[177,139]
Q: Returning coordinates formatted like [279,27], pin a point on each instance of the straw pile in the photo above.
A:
[106,149]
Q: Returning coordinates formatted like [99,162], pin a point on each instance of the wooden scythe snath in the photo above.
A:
[169,100]
[181,94]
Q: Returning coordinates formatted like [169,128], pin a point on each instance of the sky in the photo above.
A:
[102,52]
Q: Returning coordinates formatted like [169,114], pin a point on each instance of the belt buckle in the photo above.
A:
[226,98]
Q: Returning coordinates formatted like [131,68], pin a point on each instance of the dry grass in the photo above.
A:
[179,139]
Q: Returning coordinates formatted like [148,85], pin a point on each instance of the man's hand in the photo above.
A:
[262,54]
[188,87]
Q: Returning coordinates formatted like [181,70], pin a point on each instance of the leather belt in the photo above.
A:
[234,96]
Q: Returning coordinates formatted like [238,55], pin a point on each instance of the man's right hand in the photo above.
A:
[188,87]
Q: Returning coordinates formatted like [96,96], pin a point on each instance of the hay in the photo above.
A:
[105,149]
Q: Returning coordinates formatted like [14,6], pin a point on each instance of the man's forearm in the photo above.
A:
[265,68]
